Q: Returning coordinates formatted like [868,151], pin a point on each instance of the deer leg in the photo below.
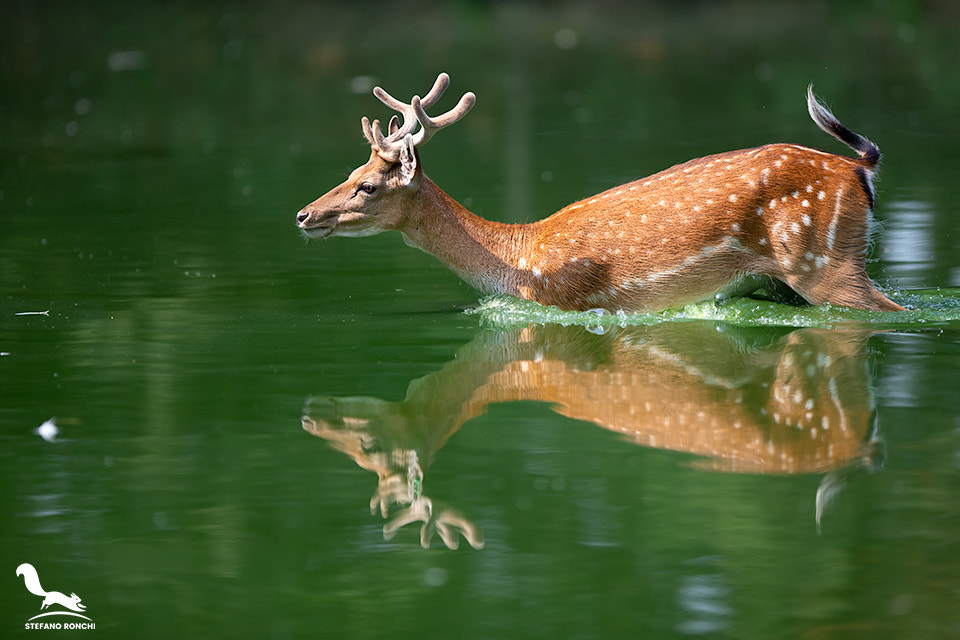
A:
[848,287]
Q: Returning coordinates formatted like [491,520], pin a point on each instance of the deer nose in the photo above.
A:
[302,216]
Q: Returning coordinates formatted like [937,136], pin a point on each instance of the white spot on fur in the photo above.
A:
[832,229]
[805,203]
[726,244]
[733,197]
[805,219]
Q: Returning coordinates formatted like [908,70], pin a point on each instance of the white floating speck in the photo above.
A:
[48,430]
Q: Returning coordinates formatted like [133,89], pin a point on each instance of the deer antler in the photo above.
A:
[403,137]
[447,522]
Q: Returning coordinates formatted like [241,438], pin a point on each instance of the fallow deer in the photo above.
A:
[714,226]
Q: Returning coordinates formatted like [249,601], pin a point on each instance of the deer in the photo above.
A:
[714,227]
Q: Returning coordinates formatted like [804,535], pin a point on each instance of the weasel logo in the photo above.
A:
[32,582]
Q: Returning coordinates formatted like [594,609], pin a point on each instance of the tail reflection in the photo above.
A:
[749,400]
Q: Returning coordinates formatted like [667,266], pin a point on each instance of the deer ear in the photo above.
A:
[408,161]
[394,126]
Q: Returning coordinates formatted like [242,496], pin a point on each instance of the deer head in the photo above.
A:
[378,196]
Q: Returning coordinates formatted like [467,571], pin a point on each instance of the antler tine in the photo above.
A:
[429,126]
[383,142]
[406,110]
[373,134]
[368,131]
[443,81]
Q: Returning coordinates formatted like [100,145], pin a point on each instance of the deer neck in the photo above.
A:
[487,255]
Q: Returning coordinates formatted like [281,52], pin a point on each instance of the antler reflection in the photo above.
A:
[372,442]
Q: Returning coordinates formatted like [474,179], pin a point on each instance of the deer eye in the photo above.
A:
[368,188]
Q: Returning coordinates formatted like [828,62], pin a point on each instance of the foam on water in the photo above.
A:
[924,308]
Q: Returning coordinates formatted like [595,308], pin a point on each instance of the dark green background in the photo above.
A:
[152,159]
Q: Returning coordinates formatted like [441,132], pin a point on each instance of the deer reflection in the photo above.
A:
[747,400]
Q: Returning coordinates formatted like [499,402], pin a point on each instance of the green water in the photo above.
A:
[261,437]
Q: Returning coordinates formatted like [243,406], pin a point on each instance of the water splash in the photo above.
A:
[926,307]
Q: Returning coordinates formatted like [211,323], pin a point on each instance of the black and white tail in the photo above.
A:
[869,152]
